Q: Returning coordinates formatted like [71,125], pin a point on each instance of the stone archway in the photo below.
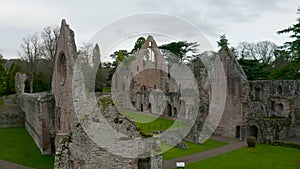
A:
[237,131]
[169,110]
[175,112]
[254,131]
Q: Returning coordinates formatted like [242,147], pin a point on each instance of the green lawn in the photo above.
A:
[148,123]
[261,157]
[193,148]
[16,145]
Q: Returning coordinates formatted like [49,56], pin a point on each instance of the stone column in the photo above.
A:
[19,83]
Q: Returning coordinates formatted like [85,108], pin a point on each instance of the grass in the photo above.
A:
[17,146]
[106,89]
[1,102]
[147,123]
[262,157]
[193,148]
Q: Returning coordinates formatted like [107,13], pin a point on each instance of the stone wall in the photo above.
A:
[237,92]
[10,113]
[39,118]
[78,150]
[75,149]
[11,116]
[274,109]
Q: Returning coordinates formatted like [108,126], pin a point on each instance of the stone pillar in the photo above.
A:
[19,83]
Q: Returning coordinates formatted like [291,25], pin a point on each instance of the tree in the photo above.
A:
[30,52]
[244,50]
[138,44]
[2,76]
[254,69]
[10,89]
[185,51]
[223,41]
[288,57]
[263,51]
[293,47]
[49,37]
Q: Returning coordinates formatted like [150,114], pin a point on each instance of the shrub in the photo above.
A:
[251,141]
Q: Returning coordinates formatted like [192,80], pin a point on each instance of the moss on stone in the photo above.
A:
[106,101]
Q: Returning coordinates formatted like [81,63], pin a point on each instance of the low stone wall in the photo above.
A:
[10,113]
[11,116]
[39,118]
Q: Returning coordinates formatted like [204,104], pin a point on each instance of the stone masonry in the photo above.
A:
[74,148]
[268,110]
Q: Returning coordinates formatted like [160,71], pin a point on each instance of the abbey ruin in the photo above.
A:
[268,110]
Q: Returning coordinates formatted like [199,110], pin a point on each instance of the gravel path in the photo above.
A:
[233,145]
[10,165]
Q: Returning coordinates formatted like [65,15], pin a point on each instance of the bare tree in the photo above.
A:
[30,52]
[263,50]
[49,41]
[86,53]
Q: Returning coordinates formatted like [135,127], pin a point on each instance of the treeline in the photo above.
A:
[260,60]
[9,68]
[265,60]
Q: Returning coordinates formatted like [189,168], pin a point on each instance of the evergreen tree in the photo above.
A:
[223,41]
[293,47]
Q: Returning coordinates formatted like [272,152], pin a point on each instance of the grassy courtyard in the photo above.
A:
[17,146]
[148,123]
[193,148]
[261,157]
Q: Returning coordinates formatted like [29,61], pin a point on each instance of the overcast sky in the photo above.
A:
[240,20]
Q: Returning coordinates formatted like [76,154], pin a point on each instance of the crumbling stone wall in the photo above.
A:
[66,54]
[19,83]
[39,118]
[237,92]
[74,148]
[201,76]
[11,118]
[10,113]
[274,109]
[82,152]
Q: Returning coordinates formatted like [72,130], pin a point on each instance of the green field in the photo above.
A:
[193,148]
[261,157]
[16,145]
[148,123]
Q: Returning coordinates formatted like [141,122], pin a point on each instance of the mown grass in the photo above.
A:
[148,123]
[192,149]
[261,157]
[17,146]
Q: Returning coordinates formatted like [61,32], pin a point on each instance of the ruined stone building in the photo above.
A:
[141,84]
[268,110]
